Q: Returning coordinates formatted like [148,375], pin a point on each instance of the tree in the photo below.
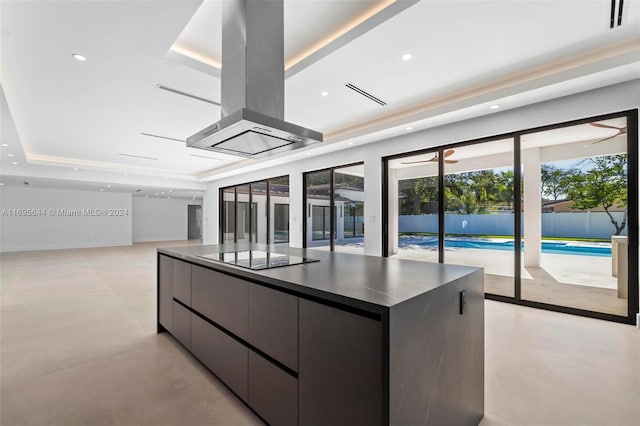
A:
[603,185]
[485,188]
[457,198]
[555,180]
[506,181]
[415,192]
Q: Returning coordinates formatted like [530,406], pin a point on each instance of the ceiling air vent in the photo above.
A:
[188,95]
[365,94]
[137,156]
[619,5]
[163,137]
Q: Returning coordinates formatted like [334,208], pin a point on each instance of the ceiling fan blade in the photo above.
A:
[605,126]
[449,152]
[451,161]
[606,139]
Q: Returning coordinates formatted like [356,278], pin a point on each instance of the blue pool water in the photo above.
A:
[551,247]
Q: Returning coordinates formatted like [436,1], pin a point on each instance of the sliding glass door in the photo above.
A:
[279,208]
[479,211]
[576,216]
[255,212]
[551,214]
[415,203]
[348,201]
[318,190]
[334,209]
[228,215]
[456,206]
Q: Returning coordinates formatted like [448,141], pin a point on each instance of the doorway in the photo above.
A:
[194,222]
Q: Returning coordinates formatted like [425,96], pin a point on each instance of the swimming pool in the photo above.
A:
[551,247]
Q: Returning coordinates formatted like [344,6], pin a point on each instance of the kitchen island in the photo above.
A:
[343,340]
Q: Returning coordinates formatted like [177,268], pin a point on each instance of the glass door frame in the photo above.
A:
[221,209]
[632,206]
[306,209]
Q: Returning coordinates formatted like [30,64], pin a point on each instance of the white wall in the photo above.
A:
[161,219]
[619,97]
[50,228]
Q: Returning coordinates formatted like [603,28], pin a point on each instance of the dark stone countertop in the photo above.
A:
[368,283]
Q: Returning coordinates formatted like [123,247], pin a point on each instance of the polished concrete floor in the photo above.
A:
[78,347]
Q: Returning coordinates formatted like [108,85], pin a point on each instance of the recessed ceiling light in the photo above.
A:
[108,186]
[4,144]
[2,184]
[494,106]
[407,56]
[101,189]
[162,192]
[409,128]
[308,153]
[11,155]
[75,169]
[350,143]
[324,93]
[79,57]
[15,163]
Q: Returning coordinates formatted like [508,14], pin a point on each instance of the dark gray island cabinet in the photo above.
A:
[349,340]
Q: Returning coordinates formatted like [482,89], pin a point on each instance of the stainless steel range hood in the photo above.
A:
[252,123]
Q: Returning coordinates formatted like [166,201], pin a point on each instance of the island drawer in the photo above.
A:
[182,281]
[272,393]
[182,324]
[224,356]
[340,381]
[221,298]
[273,324]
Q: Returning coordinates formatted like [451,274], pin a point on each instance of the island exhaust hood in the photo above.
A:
[252,123]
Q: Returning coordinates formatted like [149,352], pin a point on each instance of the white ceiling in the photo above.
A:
[467,54]
[308,25]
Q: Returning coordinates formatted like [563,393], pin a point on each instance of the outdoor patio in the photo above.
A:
[583,282]
[576,281]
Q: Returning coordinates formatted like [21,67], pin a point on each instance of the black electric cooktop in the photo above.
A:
[257,259]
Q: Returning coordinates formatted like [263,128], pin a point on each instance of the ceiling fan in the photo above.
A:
[447,153]
[621,130]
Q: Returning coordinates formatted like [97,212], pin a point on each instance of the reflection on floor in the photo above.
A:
[78,347]
[583,282]
[348,245]
[547,368]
